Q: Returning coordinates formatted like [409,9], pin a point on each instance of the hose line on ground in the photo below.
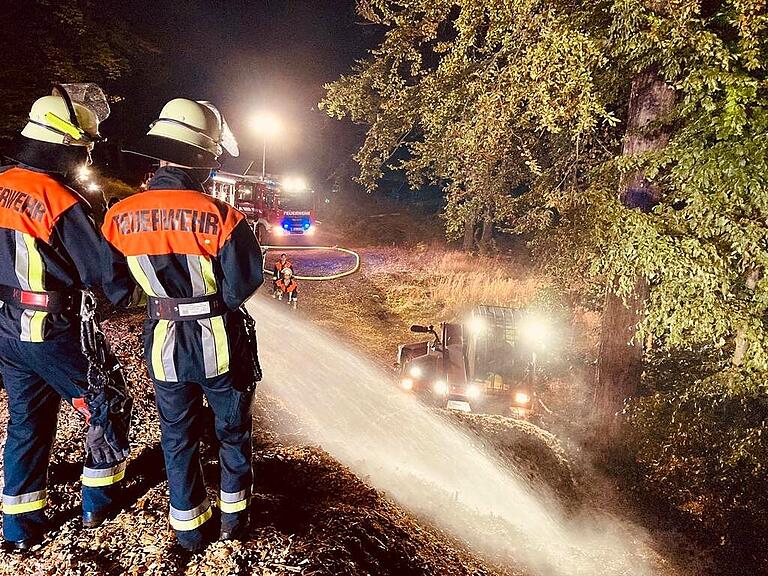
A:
[344,274]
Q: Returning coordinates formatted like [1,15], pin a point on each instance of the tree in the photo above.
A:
[48,41]
[487,95]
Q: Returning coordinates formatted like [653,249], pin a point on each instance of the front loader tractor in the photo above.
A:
[486,364]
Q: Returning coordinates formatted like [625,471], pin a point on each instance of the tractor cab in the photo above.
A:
[485,364]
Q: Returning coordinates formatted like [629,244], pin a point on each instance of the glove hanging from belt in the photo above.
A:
[109,402]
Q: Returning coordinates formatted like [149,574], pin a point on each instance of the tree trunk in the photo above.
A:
[487,234]
[753,276]
[469,234]
[620,355]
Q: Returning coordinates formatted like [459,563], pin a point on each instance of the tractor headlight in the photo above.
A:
[522,398]
[473,392]
[406,383]
[440,387]
[416,372]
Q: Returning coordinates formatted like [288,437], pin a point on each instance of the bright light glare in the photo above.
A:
[294,184]
[440,387]
[309,231]
[93,187]
[522,398]
[536,331]
[473,392]
[477,325]
[406,383]
[416,372]
[266,124]
[84,172]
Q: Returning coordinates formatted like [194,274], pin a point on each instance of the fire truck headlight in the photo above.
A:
[474,392]
[522,398]
[440,387]
[406,383]
[416,372]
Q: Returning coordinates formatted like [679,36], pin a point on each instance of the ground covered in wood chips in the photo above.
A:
[310,515]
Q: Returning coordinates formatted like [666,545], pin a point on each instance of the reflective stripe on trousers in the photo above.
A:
[25,502]
[185,520]
[233,502]
[97,477]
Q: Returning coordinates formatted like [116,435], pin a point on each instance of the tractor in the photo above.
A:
[487,364]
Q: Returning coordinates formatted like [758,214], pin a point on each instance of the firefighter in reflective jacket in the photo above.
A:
[49,251]
[282,263]
[287,288]
[198,261]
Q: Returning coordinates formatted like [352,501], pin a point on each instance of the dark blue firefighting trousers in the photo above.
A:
[37,375]
[180,405]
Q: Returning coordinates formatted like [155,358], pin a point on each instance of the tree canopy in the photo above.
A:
[488,96]
[59,41]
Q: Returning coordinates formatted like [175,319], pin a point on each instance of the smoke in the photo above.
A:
[426,464]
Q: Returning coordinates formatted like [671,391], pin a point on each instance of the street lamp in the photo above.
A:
[267,125]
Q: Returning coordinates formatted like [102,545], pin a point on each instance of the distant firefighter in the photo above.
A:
[286,288]
[282,263]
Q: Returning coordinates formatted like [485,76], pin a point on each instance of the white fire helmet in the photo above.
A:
[188,133]
[70,116]
[287,273]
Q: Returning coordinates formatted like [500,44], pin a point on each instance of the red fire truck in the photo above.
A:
[276,210]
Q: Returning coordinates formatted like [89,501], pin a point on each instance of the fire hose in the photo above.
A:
[344,274]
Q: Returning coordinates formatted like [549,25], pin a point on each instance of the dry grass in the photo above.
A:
[447,283]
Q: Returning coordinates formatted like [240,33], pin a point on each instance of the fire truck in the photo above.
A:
[276,210]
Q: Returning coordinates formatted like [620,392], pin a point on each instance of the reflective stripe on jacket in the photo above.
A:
[48,242]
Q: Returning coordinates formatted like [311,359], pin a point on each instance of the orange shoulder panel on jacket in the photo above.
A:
[31,202]
[159,222]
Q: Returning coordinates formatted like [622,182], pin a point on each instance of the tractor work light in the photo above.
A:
[407,384]
[473,392]
[477,325]
[522,398]
[536,331]
[440,387]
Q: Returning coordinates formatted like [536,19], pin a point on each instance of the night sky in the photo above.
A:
[245,57]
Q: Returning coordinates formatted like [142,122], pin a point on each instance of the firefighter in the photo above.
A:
[287,287]
[283,262]
[48,254]
[198,261]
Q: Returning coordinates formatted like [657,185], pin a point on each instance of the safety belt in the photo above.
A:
[55,302]
[186,309]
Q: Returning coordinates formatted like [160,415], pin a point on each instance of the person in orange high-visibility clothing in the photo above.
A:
[287,288]
[198,261]
[282,262]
